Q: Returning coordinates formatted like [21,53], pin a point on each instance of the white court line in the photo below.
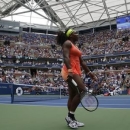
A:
[114,99]
[5,101]
[47,103]
[5,97]
[115,104]
[58,106]
[113,108]
[108,99]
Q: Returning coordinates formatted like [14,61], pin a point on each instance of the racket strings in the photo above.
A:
[89,102]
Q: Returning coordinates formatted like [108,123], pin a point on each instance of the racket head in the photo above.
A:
[89,101]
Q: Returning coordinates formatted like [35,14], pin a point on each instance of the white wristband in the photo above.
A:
[88,72]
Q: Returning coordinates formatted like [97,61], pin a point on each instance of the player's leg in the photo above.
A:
[76,100]
[72,92]
[73,104]
[70,119]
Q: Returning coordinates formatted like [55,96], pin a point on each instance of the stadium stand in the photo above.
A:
[98,48]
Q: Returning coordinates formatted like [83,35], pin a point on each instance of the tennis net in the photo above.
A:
[33,93]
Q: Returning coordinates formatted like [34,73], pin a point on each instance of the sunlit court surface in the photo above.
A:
[112,114]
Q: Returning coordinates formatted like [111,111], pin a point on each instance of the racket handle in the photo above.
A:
[74,83]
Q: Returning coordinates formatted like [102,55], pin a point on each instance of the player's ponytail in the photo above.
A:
[61,38]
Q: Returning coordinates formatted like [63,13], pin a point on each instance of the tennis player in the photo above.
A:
[72,67]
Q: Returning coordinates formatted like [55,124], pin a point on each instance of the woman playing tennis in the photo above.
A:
[72,68]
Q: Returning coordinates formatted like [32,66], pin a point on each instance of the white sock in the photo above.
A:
[71,112]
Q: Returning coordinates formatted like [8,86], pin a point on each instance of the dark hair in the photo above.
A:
[61,37]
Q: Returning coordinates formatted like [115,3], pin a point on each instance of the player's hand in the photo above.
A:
[93,77]
[70,76]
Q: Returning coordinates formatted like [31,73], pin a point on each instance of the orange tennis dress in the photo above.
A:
[75,54]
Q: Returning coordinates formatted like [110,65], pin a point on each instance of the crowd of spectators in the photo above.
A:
[30,38]
[34,45]
[114,77]
[103,42]
[108,59]
[98,37]
[40,78]
[24,51]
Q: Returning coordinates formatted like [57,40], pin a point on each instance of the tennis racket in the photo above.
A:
[88,100]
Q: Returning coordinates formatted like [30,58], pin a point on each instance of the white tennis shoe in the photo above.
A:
[71,122]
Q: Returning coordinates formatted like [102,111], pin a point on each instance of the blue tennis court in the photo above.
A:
[104,102]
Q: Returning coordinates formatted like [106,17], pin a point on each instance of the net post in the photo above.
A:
[60,92]
[12,93]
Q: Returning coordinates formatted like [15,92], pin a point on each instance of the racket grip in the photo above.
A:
[74,83]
